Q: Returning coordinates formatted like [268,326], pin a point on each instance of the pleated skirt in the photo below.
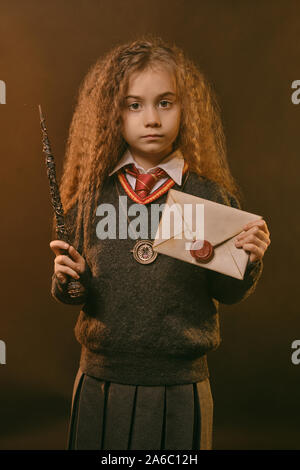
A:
[110,416]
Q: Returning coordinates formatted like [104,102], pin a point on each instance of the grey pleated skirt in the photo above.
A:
[112,416]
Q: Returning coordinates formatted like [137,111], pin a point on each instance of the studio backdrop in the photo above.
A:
[249,51]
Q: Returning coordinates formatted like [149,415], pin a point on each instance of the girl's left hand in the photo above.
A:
[255,239]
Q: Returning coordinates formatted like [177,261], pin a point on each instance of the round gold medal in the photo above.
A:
[143,252]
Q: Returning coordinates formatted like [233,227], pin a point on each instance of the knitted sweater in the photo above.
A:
[151,324]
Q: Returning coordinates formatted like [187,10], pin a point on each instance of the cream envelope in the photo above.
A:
[221,226]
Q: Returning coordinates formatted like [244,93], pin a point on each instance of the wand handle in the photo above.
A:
[75,288]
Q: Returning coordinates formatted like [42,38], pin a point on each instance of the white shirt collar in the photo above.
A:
[173,164]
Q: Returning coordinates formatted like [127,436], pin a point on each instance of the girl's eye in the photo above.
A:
[165,103]
[135,105]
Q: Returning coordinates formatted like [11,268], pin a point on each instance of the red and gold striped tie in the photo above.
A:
[145,181]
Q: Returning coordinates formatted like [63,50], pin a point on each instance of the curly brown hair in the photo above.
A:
[95,142]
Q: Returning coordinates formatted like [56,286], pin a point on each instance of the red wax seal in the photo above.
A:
[202,250]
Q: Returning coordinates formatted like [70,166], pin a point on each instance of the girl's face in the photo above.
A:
[151,107]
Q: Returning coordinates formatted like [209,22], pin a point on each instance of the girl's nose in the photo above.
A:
[151,116]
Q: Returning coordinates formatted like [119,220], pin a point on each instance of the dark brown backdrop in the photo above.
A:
[250,51]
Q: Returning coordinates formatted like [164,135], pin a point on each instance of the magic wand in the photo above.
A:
[75,288]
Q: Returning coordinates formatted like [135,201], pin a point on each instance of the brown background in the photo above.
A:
[250,51]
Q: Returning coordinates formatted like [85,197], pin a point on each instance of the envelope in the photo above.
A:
[187,219]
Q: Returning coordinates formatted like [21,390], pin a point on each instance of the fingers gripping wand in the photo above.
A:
[75,288]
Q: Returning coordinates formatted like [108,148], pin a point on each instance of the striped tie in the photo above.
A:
[145,181]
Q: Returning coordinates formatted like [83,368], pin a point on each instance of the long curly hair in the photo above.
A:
[95,143]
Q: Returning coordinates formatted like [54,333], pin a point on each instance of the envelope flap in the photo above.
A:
[172,227]
[221,222]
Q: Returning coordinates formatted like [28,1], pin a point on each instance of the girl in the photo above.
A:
[146,120]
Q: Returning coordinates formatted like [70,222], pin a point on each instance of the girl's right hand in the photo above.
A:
[64,266]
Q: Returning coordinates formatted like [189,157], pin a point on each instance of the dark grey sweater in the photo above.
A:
[151,324]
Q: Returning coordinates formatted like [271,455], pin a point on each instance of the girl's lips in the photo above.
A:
[151,136]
